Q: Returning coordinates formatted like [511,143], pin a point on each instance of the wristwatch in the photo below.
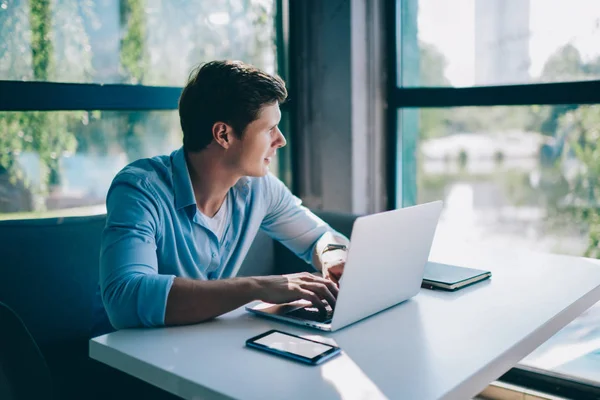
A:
[334,246]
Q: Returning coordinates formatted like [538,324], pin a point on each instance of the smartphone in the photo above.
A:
[293,347]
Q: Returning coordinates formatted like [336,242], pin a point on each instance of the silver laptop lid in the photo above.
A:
[386,261]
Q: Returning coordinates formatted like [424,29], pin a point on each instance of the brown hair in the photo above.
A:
[226,91]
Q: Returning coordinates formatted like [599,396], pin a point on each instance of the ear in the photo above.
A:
[222,134]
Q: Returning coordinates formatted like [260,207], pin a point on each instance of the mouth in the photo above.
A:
[269,159]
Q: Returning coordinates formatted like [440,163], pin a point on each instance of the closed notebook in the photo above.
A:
[451,277]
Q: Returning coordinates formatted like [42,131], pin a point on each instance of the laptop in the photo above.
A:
[385,266]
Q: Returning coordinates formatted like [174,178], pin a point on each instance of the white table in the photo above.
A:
[437,345]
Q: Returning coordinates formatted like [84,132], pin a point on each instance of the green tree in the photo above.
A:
[47,40]
[565,64]
[134,66]
[432,122]
[439,122]
[583,125]
[47,130]
[28,52]
[134,58]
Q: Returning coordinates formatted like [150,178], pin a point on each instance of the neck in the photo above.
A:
[211,179]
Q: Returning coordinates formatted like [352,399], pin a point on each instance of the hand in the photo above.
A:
[333,270]
[279,289]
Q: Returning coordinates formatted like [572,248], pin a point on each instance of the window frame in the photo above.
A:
[402,192]
[23,96]
[58,96]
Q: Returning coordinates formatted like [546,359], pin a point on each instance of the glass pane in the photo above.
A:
[497,42]
[511,177]
[62,163]
[150,42]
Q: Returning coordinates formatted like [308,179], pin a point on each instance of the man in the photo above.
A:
[178,227]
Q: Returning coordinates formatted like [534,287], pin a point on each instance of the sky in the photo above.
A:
[450,26]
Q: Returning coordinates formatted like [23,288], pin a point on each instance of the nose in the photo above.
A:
[279,140]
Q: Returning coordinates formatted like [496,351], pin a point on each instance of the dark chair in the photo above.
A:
[25,373]
[49,270]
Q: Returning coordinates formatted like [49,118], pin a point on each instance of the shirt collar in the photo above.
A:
[182,184]
[243,185]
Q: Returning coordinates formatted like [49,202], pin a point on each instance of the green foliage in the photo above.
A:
[583,125]
[134,64]
[580,126]
[134,60]
[565,64]
[48,134]
[432,122]
[570,189]
[438,122]
[49,40]
[41,39]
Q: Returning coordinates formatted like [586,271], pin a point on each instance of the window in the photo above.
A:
[149,42]
[506,180]
[66,160]
[498,114]
[56,156]
[497,42]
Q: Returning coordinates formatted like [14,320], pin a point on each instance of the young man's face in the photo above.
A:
[253,153]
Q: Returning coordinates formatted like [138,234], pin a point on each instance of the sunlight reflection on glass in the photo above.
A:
[219,18]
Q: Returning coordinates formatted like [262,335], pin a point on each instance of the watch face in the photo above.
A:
[330,247]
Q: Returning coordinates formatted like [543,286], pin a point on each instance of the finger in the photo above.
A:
[331,285]
[321,290]
[336,281]
[313,298]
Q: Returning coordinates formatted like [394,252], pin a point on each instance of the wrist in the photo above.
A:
[333,256]
[256,287]
[333,247]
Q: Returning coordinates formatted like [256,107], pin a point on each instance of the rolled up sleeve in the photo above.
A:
[133,292]
[289,222]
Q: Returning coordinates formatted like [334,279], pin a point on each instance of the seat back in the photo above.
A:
[49,272]
[49,269]
[23,369]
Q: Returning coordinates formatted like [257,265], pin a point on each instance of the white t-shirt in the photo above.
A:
[218,222]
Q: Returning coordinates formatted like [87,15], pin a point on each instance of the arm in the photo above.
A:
[217,297]
[135,294]
[297,228]
[320,260]
[221,296]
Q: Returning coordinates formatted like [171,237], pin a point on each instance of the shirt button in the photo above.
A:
[214,255]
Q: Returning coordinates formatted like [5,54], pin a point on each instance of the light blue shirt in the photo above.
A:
[154,232]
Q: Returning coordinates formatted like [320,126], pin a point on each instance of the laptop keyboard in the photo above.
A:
[313,314]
